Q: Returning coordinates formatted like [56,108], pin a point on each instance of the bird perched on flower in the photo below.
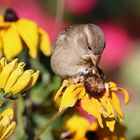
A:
[77,48]
[77,53]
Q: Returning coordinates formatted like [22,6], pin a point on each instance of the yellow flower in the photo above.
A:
[105,107]
[15,33]
[77,126]
[13,78]
[7,125]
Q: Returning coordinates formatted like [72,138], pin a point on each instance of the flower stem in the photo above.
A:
[59,16]
[43,129]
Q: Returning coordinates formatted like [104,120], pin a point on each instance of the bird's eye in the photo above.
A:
[89,48]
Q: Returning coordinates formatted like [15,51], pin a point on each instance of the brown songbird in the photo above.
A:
[78,48]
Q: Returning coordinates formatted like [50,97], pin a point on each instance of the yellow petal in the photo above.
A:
[93,126]
[1,68]
[99,107]
[45,45]
[3,124]
[110,124]
[9,112]
[29,33]
[1,46]
[88,105]
[5,120]
[4,24]
[113,86]
[7,70]
[21,64]
[1,18]
[6,124]
[116,104]
[82,93]
[13,78]
[59,92]
[12,44]
[2,129]
[8,131]
[3,62]
[126,95]
[32,82]
[78,126]
[22,82]
[107,105]
[68,98]
[110,120]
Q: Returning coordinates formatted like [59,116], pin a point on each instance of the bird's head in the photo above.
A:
[95,42]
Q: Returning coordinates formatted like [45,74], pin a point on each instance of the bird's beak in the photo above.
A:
[94,58]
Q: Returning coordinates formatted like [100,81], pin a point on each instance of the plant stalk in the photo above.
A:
[43,129]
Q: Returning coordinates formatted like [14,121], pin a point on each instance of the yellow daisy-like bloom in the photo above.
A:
[78,126]
[15,32]
[105,107]
[13,78]
[7,125]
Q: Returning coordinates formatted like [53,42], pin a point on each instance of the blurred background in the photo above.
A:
[120,21]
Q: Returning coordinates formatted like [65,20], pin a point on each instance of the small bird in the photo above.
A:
[77,48]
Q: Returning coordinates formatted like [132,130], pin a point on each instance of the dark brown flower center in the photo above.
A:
[10,15]
[91,135]
[94,83]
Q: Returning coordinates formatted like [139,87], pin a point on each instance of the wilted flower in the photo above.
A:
[7,125]
[77,127]
[17,32]
[13,78]
[104,106]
